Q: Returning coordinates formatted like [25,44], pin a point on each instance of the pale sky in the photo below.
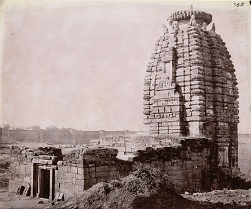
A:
[82,64]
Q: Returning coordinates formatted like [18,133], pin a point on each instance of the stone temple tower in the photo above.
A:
[190,85]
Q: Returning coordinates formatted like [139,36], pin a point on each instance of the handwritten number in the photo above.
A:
[240,4]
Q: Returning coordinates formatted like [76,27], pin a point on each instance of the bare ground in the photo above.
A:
[10,200]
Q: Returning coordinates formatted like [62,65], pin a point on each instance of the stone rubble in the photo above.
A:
[226,197]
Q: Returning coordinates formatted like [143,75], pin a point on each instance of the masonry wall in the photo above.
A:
[188,164]
[81,169]
[20,168]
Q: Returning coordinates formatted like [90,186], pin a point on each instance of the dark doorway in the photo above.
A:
[45,184]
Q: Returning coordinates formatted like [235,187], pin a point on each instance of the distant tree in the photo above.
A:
[6,126]
[35,127]
[52,128]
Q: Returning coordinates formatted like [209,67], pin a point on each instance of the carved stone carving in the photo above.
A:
[193,21]
[175,26]
[204,26]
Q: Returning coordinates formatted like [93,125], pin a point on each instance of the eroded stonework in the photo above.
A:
[190,85]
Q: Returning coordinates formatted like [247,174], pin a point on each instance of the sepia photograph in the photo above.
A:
[125,104]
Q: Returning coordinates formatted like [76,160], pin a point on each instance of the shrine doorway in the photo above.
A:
[44,184]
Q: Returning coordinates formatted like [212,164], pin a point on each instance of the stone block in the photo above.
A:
[80,188]
[91,169]
[13,186]
[68,177]
[102,174]
[80,182]
[27,179]
[73,181]
[114,174]
[102,168]
[76,189]
[80,171]
[92,174]
[12,168]
[74,170]
[91,165]
[80,177]
[121,149]
[112,168]
[28,170]
[21,169]
[80,164]
[67,169]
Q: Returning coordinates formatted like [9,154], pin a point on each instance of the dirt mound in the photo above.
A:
[145,188]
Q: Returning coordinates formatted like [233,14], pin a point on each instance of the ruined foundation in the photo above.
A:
[188,165]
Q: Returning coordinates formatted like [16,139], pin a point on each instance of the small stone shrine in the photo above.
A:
[190,85]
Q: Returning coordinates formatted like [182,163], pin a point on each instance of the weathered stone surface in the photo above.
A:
[196,83]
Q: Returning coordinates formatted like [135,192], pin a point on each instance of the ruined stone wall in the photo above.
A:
[20,168]
[83,168]
[70,175]
[188,166]
[24,164]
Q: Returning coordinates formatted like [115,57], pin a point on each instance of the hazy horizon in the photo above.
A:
[82,64]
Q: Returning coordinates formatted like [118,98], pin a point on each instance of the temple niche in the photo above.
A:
[190,85]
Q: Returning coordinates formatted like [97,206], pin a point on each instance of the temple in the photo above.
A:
[190,85]
[190,108]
